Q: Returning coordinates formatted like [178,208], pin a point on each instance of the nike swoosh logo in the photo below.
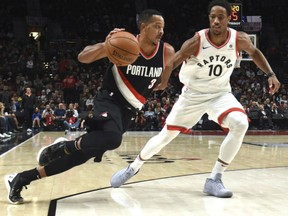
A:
[205,47]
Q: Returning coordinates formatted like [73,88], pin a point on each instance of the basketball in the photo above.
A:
[122,48]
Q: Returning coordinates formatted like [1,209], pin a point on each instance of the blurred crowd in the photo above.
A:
[44,87]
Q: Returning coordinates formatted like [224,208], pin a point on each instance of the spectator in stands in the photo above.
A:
[72,122]
[265,116]
[38,84]
[167,107]
[36,118]
[43,96]
[258,91]
[5,123]
[69,88]
[89,102]
[28,103]
[140,121]
[60,116]
[49,119]
[278,118]
[283,99]
[86,122]
[54,65]
[275,110]
[6,96]
[267,104]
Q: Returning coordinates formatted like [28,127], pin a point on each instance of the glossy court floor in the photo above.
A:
[171,183]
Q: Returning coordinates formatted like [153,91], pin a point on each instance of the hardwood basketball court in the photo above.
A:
[171,183]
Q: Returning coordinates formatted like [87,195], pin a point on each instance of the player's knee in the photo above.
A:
[114,139]
[239,123]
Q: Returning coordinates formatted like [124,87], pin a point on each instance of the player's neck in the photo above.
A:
[147,47]
[219,39]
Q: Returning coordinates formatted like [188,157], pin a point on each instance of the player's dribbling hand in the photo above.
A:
[114,31]
[274,85]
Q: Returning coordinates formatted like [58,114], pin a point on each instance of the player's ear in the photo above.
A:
[142,26]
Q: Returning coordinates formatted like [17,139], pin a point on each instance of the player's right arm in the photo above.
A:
[97,51]
[92,53]
[189,47]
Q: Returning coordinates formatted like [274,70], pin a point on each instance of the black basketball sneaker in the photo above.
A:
[14,184]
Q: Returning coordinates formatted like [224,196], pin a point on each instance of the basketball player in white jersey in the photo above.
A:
[208,59]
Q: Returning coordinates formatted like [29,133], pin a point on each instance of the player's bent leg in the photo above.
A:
[153,146]
[237,123]
[51,152]
[156,143]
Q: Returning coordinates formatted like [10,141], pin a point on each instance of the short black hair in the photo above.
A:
[145,16]
[223,3]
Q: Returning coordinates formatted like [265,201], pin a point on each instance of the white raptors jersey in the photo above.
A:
[210,69]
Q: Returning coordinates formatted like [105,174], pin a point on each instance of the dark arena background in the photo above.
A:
[39,44]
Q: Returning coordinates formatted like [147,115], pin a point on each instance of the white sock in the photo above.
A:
[218,168]
[137,163]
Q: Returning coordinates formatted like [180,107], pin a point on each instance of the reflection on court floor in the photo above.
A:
[256,192]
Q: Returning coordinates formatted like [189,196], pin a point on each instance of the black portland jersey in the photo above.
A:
[136,81]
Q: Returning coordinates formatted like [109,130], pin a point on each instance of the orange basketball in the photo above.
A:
[122,48]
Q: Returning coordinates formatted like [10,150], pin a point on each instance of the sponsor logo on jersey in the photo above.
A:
[206,47]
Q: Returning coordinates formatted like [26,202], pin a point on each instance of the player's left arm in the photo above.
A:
[244,43]
[169,55]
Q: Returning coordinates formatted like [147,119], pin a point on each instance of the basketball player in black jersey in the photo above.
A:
[125,90]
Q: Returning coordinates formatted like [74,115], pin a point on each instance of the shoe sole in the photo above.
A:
[6,179]
[60,139]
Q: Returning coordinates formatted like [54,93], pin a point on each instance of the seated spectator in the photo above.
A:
[87,121]
[72,122]
[275,110]
[49,119]
[140,121]
[60,116]
[11,119]
[264,116]
[6,123]
[89,103]
[278,118]
[150,117]
[36,118]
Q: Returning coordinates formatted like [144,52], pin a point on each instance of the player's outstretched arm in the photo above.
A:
[244,43]
[97,51]
[92,53]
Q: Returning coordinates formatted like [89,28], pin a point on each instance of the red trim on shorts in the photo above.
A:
[224,114]
[179,128]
